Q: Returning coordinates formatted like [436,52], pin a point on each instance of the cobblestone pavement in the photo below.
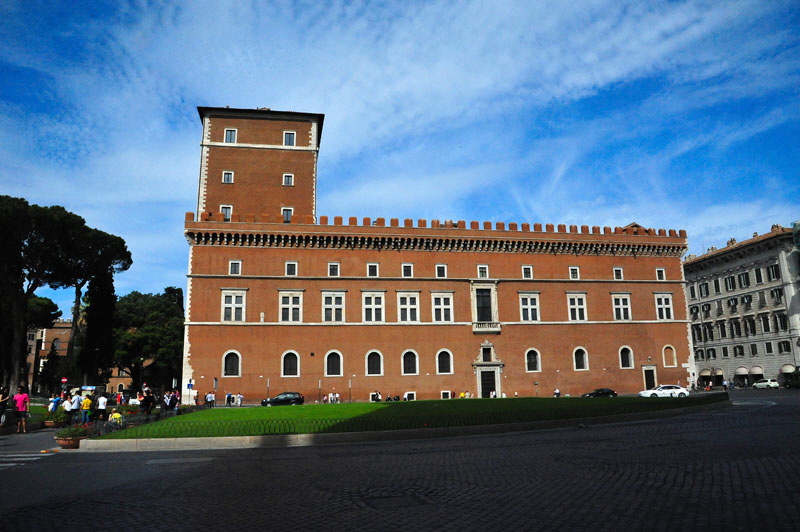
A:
[731,469]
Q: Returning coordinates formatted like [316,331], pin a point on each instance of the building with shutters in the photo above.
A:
[281,299]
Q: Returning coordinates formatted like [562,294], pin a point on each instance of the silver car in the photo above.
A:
[665,390]
[766,383]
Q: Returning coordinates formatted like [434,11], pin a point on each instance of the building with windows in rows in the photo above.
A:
[744,309]
[279,299]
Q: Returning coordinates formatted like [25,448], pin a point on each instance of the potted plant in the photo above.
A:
[59,418]
[70,437]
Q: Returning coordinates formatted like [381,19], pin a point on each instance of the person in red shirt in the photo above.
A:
[21,405]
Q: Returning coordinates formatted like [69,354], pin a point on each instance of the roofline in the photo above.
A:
[263,112]
[776,232]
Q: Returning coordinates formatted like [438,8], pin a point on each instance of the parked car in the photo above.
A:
[285,398]
[665,390]
[766,383]
[601,392]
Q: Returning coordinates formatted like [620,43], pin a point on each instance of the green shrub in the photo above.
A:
[79,431]
[58,415]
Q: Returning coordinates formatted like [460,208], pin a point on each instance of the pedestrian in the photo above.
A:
[239,399]
[67,406]
[76,407]
[556,393]
[21,405]
[86,409]
[147,403]
[102,401]
[3,402]
[53,405]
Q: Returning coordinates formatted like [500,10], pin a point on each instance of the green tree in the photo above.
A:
[149,328]
[42,314]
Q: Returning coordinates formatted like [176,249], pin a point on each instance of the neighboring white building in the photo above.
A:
[744,308]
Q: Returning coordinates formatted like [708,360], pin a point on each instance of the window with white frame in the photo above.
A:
[759,277]
[230,136]
[574,273]
[227,177]
[227,212]
[333,269]
[664,306]
[529,306]
[580,359]
[234,267]
[576,304]
[441,271]
[290,268]
[692,292]
[773,272]
[768,348]
[744,279]
[622,306]
[372,307]
[618,274]
[725,353]
[231,364]
[333,364]
[483,271]
[444,362]
[410,363]
[717,289]
[532,361]
[407,269]
[784,346]
[289,138]
[233,305]
[442,306]
[753,350]
[372,269]
[764,323]
[290,365]
[291,306]
[288,180]
[625,358]
[730,283]
[527,272]
[407,307]
[484,298]
[703,289]
[333,307]
[661,274]
[374,363]
[287,212]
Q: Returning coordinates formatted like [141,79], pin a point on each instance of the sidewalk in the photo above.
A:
[35,441]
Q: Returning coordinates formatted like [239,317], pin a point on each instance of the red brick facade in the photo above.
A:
[401,306]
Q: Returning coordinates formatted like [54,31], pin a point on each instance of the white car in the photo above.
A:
[665,390]
[766,383]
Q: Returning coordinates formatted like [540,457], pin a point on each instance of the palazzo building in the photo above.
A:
[279,299]
[745,310]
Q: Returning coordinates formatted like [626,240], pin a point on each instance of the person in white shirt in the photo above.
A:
[102,401]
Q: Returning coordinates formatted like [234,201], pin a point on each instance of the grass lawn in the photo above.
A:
[358,417]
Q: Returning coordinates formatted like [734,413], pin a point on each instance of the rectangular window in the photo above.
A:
[744,279]
[527,272]
[529,307]
[703,287]
[442,305]
[759,277]
[716,286]
[574,273]
[483,304]
[288,180]
[773,272]
[725,352]
[235,267]
[441,271]
[407,307]
[723,331]
[618,274]
[753,350]
[333,269]
[230,136]
[664,306]
[692,292]
[288,138]
[408,270]
[287,212]
[661,274]
[730,283]
[291,306]
[233,305]
[372,269]
[577,307]
[333,307]
[227,177]
[372,307]
[622,306]
[227,211]
[765,323]
[291,269]
[483,271]
[768,348]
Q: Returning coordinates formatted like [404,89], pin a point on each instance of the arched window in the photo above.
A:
[410,363]
[374,363]
[56,344]
[532,360]
[333,364]
[291,365]
[231,365]
[444,362]
[581,359]
[670,360]
[625,358]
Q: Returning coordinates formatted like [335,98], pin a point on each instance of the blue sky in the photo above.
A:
[681,115]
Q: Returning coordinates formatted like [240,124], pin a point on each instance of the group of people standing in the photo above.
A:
[21,402]
[82,408]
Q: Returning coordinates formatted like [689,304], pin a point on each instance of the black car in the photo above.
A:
[285,398]
[601,392]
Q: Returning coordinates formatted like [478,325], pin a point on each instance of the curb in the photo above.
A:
[308,440]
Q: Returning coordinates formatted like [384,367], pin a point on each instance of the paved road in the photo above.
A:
[731,469]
